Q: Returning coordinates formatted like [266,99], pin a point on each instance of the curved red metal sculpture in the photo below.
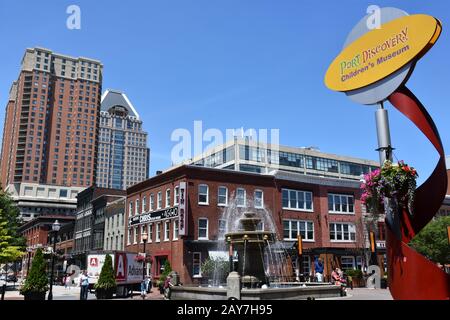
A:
[411,275]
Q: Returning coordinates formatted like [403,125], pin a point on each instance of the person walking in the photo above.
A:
[318,268]
[84,284]
[143,289]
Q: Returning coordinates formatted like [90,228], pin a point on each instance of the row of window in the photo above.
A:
[339,232]
[203,199]
[303,200]
[155,232]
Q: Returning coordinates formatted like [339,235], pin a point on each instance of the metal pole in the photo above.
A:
[385,153]
[28,263]
[50,293]
[143,263]
[383,134]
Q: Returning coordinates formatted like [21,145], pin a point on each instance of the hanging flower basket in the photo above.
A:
[395,181]
[142,258]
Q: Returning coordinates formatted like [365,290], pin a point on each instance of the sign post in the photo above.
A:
[373,67]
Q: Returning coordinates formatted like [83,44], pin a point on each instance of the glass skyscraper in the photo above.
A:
[123,156]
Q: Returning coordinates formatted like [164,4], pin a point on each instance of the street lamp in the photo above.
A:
[55,228]
[29,250]
[144,239]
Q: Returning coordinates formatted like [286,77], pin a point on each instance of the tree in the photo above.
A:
[36,281]
[8,251]
[166,272]
[106,280]
[432,241]
[216,269]
[12,244]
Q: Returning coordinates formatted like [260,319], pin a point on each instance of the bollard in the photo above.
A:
[234,286]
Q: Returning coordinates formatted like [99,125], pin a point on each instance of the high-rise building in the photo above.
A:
[123,156]
[50,131]
[51,120]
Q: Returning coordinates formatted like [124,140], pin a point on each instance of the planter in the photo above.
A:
[358,282]
[34,296]
[103,294]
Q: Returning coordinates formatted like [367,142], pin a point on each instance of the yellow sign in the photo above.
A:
[381,52]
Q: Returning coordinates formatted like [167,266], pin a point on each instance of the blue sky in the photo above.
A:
[233,63]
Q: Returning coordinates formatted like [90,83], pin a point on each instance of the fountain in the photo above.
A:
[250,245]
[264,269]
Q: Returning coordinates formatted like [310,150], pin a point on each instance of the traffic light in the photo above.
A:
[372,241]
[300,244]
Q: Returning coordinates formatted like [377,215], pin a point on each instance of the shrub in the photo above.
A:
[106,280]
[354,273]
[36,281]
[166,272]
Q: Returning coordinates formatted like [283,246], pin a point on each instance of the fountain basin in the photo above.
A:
[297,292]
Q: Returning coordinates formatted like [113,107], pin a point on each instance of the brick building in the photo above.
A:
[37,233]
[326,211]
[51,127]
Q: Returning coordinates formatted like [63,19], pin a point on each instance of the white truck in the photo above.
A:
[127,271]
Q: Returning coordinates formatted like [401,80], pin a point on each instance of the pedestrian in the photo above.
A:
[67,282]
[143,289]
[167,287]
[84,284]
[148,283]
[318,268]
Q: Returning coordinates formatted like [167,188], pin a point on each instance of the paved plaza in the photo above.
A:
[73,293]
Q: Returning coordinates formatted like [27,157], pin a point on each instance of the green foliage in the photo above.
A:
[8,252]
[166,272]
[37,279]
[432,241]
[354,273]
[11,214]
[219,265]
[106,280]
[12,245]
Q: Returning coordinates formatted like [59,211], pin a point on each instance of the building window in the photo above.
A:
[203,194]
[152,202]
[159,200]
[130,209]
[143,229]
[340,203]
[130,234]
[297,200]
[202,229]
[158,232]
[347,263]
[342,232]
[241,197]
[137,207]
[167,230]
[306,264]
[135,235]
[222,228]
[144,204]
[175,230]
[196,264]
[176,198]
[291,229]
[258,200]
[150,232]
[167,198]
[222,196]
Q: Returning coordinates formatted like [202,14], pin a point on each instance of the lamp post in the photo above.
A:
[144,239]
[55,228]
[29,250]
